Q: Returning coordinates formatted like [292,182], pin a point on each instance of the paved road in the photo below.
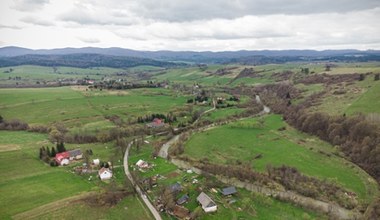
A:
[139,191]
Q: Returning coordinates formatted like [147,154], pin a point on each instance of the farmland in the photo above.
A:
[96,110]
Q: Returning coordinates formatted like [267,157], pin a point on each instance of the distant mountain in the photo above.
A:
[180,55]
[191,56]
[82,60]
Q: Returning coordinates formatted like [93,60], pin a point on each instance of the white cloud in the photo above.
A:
[192,25]
[36,21]
[29,5]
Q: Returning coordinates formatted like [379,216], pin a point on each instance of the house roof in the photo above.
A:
[61,156]
[175,187]
[229,191]
[74,153]
[205,200]
[103,169]
[183,199]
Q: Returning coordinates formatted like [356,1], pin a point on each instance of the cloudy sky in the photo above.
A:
[197,25]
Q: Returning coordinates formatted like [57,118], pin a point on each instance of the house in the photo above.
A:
[62,158]
[105,173]
[229,191]
[75,154]
[181,212]
[208,205]
[156,123]
[142,164]
[96,162]
[183,199]
[175,188]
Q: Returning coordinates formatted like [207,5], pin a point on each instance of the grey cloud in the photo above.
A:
[89,40]
[29,5]
[175,11]
[36,21]
[2,26]
[81,15]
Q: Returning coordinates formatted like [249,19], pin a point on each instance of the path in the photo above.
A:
[138,190]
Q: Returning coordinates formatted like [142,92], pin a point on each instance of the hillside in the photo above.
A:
[82,60]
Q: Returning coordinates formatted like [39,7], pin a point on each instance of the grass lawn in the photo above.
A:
[243,140]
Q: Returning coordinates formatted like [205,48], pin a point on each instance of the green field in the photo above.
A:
[243,140]
[74,106]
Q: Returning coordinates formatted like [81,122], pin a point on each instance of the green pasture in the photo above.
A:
[242,141]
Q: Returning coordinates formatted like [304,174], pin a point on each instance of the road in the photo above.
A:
[138,190]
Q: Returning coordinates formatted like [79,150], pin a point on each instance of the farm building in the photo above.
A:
[156,123]
[105,173]
[62,158]
[208,205]
[229,191]
[75,154]
[183,199]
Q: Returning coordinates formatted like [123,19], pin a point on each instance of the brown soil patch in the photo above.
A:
[9,147]
[172,174]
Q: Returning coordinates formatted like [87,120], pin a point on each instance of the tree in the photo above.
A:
[53,152]
[1,119]
[167,199]
[196,213]
[377,77]
[48,151]
[361,77]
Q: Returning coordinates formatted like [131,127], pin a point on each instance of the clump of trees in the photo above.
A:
[169,118]
[242,172]
[13,124]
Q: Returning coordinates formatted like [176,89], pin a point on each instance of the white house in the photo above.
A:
[65,162]
[208,205]
[142,164]
[105,174]
[96,162]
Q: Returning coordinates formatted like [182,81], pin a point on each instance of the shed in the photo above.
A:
[208,205]
[183,199]
[229,191]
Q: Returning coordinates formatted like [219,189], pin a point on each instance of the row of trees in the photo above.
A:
[169,118]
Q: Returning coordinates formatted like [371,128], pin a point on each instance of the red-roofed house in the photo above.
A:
[62,158]
[156,123]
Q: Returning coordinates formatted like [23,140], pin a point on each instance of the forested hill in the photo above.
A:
[83,61]
[242,56]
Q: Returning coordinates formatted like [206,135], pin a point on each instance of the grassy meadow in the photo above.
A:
[243,140]
[78,107]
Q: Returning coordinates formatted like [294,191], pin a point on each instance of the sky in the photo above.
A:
[195,25]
